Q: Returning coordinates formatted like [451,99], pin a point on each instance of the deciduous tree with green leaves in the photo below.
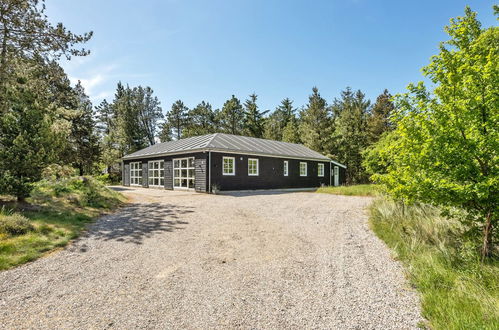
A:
[445,148]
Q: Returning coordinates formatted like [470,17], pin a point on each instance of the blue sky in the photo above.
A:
[209,50]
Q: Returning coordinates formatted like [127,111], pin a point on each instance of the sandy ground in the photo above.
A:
[247,260]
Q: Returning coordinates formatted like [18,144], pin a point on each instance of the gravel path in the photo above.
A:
[187,260]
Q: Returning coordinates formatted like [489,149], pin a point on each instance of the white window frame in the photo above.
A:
[286,168]
[233,165]
[188,168]
[306,168]
[257,167]
[136,173]
[320,166]
[154,171]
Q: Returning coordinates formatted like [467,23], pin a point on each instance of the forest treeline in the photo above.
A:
[342,129]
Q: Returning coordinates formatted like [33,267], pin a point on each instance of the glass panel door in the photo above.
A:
[183,173]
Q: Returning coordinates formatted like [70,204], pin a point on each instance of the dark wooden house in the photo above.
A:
[229,162]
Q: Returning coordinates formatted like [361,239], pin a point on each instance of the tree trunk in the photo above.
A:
[80,167]
[487,236]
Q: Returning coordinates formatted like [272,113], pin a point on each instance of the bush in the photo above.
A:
[78,191]
[14,224]
[57,172]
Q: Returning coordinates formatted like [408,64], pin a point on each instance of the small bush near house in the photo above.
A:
[457,290]
[64,207]
[14,224]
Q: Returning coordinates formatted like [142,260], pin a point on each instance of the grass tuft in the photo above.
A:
[457,291]
[355,190]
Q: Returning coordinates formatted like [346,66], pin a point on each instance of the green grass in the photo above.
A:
[58,212]
[355,190]
[457,291]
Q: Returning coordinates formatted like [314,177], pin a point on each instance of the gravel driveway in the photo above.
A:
[185,260]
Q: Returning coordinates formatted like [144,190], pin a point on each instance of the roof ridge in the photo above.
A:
[211,140]
[264,139]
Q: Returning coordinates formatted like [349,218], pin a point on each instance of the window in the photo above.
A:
[136,174]
[183,172]
[303,169]
[285,168]
[229,167]
[320,169]
[252,166]
[156,173]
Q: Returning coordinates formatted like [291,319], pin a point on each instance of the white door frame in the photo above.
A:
[336,175]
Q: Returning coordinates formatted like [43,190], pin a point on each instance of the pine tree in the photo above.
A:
[165,132]
[177,118]
[27,141]
[149,111]
[286,111]
[277,121]
[272,128]
[291,131]
[84,140]
[201,120]
[105,116]
[26,34]
[232,117]
[253,118]
[315,124]
[350,135]
[379,119]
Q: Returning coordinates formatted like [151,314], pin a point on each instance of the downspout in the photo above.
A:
[209,171]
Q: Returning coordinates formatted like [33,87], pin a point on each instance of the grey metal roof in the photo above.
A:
[229,143]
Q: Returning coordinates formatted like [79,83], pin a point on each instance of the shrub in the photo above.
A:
[14,224]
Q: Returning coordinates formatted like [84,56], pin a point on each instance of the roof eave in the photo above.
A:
[325,159]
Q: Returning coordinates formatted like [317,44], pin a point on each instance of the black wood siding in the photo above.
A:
[200,162]
[168,173]
[270,176]
[145,174]
[126,174]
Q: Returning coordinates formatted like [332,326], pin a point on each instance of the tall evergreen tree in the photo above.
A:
[272,128]
[232,117]
[350,135]
[253,118]
[177,118]
[84,140]
[26,142]
[165,132]
[291,132]
[27,34]
[277,121]
[201,120]
[105,116]
[379,119]
[149,111]
[315,123]
[286,111]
